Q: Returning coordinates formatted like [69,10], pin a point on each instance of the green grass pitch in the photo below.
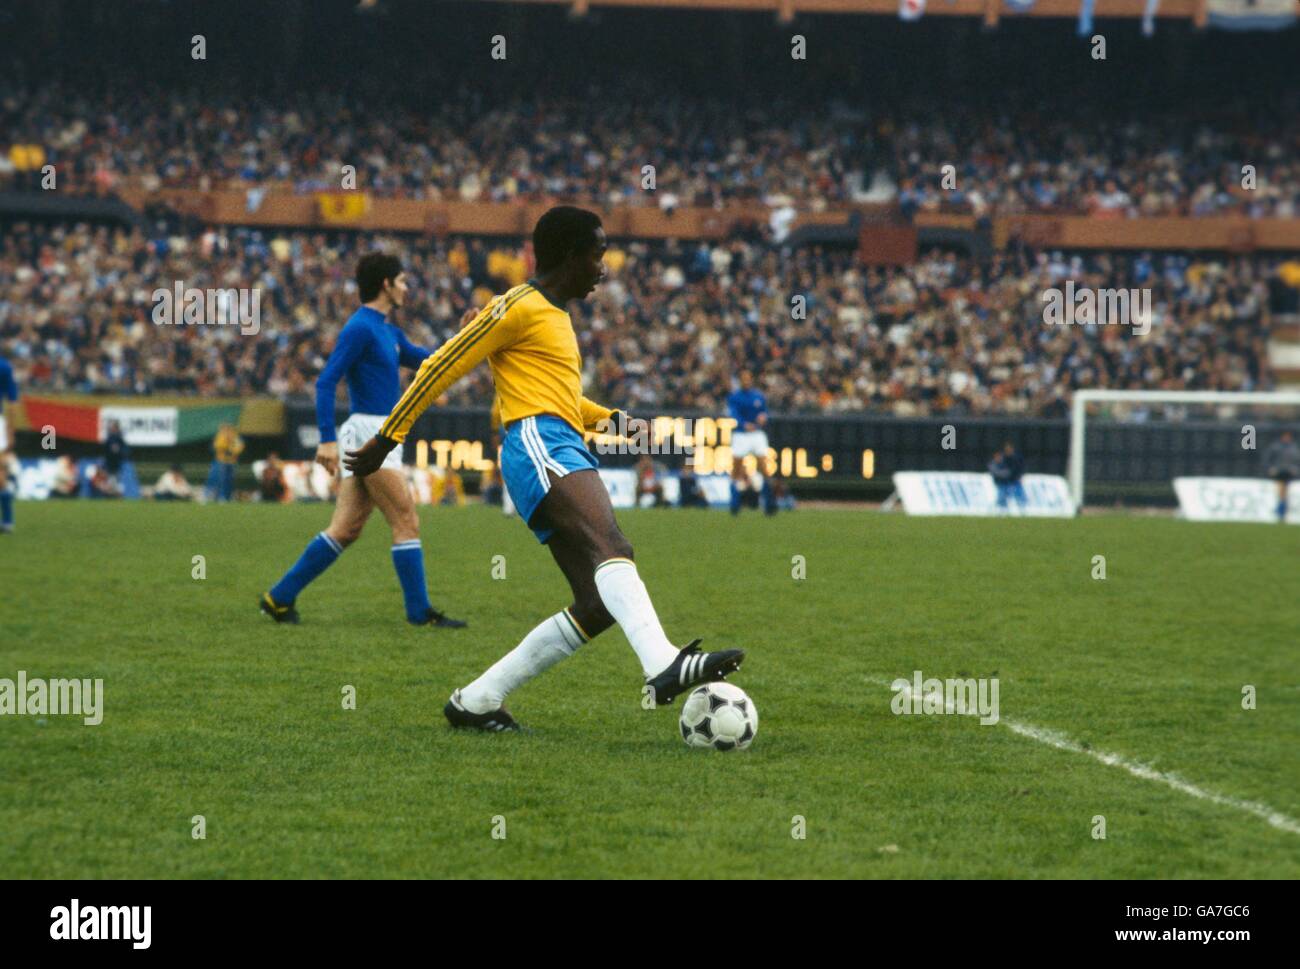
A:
[211,710]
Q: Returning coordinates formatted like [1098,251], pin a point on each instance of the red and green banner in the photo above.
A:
[201,423]
[72,421]
[143,426]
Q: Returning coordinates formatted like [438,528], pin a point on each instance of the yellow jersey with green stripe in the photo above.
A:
[530,345]
[227,446]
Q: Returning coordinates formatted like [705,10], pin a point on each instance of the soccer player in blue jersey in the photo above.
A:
[1283,461]
[747,406]
[9,392]
[1007,469]
[367,355]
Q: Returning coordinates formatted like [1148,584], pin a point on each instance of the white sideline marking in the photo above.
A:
[1060,741]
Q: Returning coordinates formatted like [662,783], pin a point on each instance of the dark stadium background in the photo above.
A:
[408,47]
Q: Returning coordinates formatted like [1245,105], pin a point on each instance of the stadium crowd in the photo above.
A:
[1017,156]
[670,328]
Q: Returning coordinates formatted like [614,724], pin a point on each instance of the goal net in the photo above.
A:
[1127,447]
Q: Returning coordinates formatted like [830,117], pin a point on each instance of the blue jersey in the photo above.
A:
[1007,469]
[368,353]
[8,386]
[745,406]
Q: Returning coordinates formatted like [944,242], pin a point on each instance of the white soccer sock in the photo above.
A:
[553,640]
[627,600]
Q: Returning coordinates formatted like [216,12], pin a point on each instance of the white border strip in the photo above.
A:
[1060,741]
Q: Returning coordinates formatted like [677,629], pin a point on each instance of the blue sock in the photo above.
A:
[6,508]
[1281,510]
[319,556]
[735,498]
[408,560]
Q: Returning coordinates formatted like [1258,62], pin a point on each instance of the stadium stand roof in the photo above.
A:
[990,10]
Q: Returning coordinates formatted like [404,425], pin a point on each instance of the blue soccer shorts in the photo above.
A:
[533,446]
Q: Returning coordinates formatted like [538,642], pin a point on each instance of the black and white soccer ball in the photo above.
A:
[720,716]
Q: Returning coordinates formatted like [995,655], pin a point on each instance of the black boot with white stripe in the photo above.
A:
[494,721]
[690,668]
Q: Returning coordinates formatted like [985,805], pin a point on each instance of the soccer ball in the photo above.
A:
[720,716]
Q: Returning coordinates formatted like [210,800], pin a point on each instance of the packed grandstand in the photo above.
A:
[1018,156]
[943,335]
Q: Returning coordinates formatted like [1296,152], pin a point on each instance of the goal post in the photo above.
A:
[1079,420]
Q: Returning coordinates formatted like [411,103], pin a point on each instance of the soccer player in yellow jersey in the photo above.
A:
[227,446]
[527,338]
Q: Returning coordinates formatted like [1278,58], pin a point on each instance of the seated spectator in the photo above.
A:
[173,486]
[782,499]
[689,494]
[492,486]
[271,485]
[103,484]
[447,487]
[648,483]
[65,483]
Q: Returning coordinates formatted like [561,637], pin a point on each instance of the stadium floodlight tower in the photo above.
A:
[1082,398]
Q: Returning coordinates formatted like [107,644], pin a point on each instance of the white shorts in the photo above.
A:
[745,443]
[4,435]
[356,431]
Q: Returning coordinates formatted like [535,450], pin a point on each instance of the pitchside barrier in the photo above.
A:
[1234,500]
[621,485]
[840,457]
[37,477]
[967,493]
